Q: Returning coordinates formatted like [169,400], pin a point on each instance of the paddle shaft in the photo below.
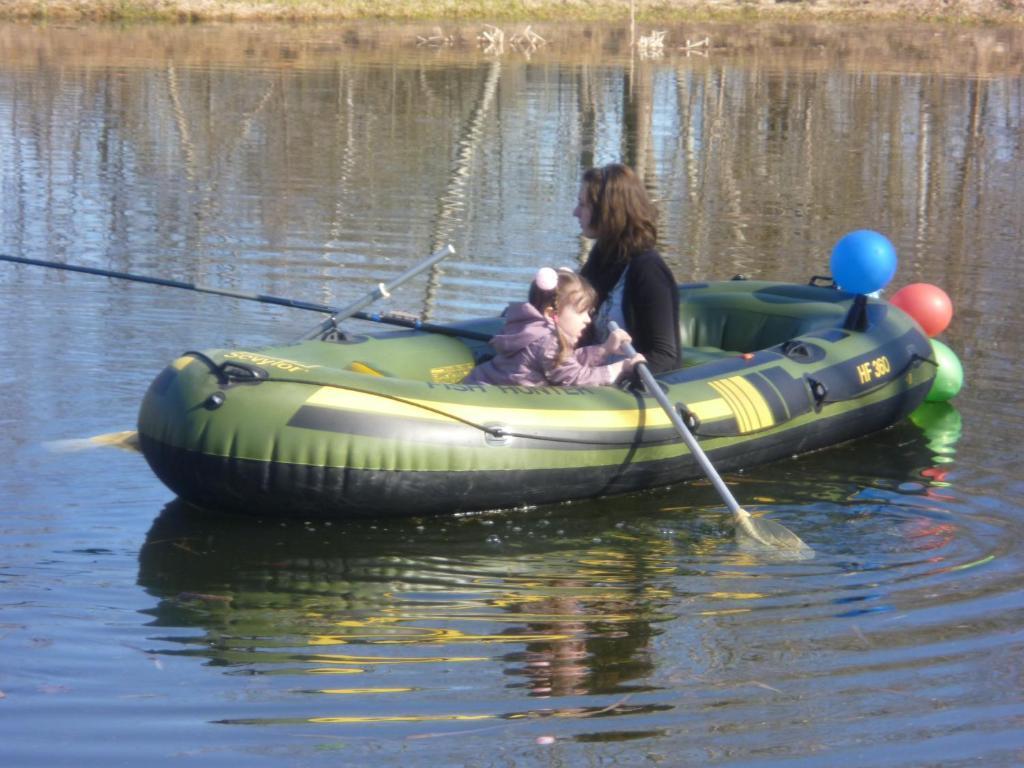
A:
[337,314]
[691,442]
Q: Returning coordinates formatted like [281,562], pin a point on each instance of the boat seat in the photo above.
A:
[699,355]
[719,328]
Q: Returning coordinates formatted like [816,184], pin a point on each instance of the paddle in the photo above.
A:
[127,440]
[766,532]
[337,314]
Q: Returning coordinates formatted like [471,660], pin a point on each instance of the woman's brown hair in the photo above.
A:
[620,210]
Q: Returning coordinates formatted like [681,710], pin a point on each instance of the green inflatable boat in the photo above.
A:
[378,424]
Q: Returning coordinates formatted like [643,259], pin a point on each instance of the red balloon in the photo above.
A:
[926,303]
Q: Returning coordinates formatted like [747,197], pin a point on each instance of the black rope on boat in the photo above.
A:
[227,374]
[690,419]
[230,371]
[494,431]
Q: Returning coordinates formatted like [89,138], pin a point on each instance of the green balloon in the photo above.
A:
[949,377]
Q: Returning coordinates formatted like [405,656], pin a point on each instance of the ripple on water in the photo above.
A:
[639,609]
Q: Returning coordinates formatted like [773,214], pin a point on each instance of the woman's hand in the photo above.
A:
[622,369]
[629,363]
[616,340]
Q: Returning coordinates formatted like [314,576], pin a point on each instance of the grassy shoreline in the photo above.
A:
[646,11]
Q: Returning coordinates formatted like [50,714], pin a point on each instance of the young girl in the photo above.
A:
[537,345]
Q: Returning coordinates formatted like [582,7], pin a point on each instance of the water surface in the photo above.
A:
[314,161]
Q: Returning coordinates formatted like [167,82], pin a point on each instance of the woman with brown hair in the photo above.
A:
[635,286]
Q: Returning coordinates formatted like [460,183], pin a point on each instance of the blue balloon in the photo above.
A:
[863,262]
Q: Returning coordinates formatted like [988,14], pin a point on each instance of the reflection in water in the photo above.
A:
[354,599]
[316,165]
[942,427]
[617,610]
[453,203]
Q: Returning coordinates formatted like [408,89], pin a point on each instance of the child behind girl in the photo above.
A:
[537,345]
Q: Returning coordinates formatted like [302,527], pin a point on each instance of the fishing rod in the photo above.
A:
[354,310]
[382,291]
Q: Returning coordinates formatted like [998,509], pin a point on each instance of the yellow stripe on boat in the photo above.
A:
[368,402]
[749,406]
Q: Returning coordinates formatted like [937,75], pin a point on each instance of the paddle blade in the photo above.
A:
[772,535]
[127,440]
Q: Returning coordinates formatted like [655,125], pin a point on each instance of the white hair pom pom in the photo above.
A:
[546,279]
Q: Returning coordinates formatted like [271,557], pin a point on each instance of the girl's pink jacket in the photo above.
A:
[526,352]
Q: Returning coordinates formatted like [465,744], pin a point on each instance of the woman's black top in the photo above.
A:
[650,304]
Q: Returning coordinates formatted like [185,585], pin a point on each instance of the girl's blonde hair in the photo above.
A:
[570,290]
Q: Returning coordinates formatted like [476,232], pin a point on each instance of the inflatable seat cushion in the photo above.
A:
[741,330]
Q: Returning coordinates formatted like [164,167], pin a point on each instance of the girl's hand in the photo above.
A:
[616,340]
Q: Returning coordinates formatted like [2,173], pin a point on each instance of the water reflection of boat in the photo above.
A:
[569,609]
[913,456]
[188,552]
[375,425]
